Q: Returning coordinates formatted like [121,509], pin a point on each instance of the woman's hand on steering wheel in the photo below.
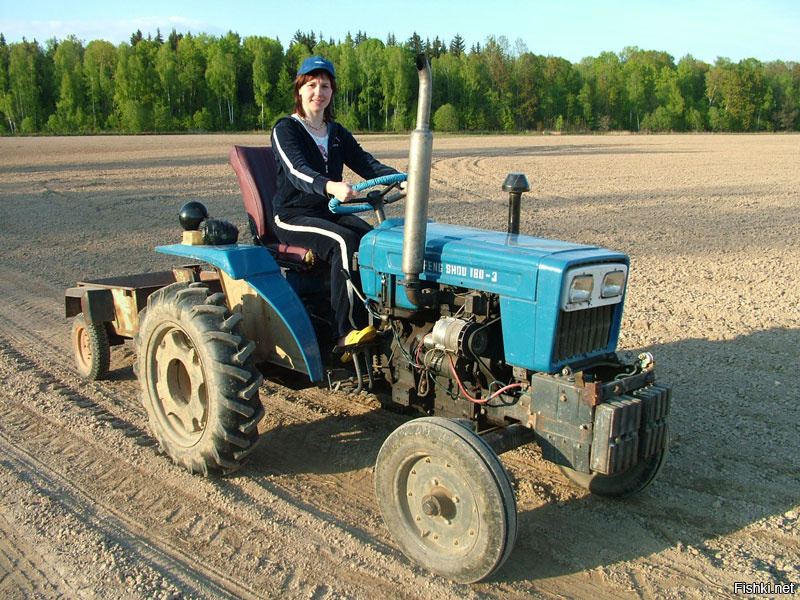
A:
[372,202]
[341,190]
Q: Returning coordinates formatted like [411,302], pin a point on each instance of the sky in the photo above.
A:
[572,29]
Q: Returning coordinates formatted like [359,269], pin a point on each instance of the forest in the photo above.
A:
[191,83]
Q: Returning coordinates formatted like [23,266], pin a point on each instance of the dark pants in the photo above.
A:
[334,240]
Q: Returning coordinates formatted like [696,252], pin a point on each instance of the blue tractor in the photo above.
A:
[495,339]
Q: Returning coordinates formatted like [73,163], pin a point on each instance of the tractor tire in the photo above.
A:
[199,382]
[446,499]
[91,347]
[627,483]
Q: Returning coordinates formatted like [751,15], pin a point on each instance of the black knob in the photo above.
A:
[516,183]
[192,214]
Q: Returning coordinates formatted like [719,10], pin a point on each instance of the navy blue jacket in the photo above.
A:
[303,173]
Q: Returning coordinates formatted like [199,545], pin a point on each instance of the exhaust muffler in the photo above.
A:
[419,183]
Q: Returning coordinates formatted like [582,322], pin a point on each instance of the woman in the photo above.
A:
[311,150]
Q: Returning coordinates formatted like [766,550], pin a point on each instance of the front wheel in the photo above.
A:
[199,383]
[446,499]
[623,484]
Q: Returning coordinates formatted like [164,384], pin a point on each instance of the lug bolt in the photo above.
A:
[430,508]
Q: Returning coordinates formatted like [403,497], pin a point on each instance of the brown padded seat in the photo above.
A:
[257,172]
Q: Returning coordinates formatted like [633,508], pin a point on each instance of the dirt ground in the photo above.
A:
[88,509]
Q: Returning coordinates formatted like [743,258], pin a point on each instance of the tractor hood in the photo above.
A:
[496,262]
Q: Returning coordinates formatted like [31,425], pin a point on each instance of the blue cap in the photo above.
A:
[314,63]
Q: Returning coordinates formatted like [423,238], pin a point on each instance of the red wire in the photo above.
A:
[478,400]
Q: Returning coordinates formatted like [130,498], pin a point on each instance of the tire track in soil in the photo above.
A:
[26,351]
[185,572]
[248,529]
[329,434]
[24,573]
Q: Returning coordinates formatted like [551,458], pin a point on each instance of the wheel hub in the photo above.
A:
[84,348]
[181,386]
[440,506]
[439,503]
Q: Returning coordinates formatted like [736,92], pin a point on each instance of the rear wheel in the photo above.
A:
[91,347]
[199,383]
[446,499]
[623,484]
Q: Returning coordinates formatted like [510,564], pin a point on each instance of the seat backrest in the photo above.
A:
[257,172]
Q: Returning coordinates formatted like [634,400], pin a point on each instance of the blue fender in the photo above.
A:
[255,265]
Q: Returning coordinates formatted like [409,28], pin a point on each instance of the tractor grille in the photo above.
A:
[582,331]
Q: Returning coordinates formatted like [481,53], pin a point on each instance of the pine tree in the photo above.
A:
[414,43]
[173,39]
[457,45]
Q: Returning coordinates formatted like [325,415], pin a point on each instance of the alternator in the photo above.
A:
[458,336]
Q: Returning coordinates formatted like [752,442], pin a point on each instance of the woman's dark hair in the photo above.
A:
[301,80]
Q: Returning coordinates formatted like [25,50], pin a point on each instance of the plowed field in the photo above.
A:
[88,509]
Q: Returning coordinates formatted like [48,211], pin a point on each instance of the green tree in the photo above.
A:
[309,40]
[446,118]
[136,86]
[414,44]
[450,85]
[736,90]
[586,104]
[221,73]
[6,98]
[170,85]
[608,89]
[560,86]
[475,114]
[192,62]
[457,45]
[25,81]
[671,105]
[68,64]
[499,67]
[267,67]
[371,66]
[784,81]
[99,62]
[691,81]
[397,81]
[527,76]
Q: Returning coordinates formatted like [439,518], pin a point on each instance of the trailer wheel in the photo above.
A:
[199,383]
[91,347]
[623,484]
[446,499]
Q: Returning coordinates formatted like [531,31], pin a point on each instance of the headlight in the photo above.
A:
[580,290]
[613,284]
[593,285]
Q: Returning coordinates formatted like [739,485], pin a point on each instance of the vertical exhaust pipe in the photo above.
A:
[419,183]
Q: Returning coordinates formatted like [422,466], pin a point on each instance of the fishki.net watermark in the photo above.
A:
[766,589]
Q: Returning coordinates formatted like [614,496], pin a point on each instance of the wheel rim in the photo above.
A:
[83,349]
[437,505]
[179,384]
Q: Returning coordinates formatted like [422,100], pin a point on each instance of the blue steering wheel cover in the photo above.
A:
[335,205]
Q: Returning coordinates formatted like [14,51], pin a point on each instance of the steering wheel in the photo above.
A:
[374,199]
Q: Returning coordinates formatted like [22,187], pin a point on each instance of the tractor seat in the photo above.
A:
[255,167]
